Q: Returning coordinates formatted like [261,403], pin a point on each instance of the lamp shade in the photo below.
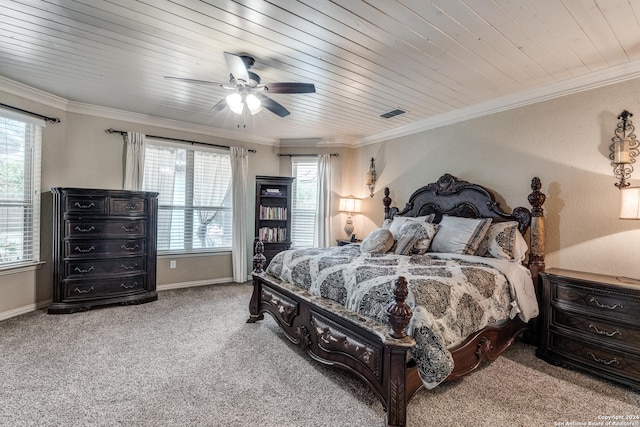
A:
[349,204]
[630,203]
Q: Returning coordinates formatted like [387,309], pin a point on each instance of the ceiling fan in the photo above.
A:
[247,89]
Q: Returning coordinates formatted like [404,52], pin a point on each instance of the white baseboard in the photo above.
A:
[44,304]
[193,283]
[24,310]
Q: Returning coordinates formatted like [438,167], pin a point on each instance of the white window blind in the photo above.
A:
[20,142]
[194,202]
[305,199]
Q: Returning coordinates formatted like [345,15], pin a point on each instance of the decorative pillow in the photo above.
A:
[460,235]
[415,238]
[500,241]
[520,248]
[398,221]
[379,241]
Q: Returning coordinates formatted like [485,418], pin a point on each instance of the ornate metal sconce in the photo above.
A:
[371,177]
[624,149]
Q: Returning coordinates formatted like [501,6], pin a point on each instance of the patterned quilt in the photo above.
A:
[450,298]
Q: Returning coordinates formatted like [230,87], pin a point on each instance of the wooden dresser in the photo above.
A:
[104,248]
[591,322]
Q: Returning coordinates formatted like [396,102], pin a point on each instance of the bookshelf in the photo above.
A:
[273,213]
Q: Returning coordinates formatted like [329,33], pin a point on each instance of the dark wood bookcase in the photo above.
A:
[273,213]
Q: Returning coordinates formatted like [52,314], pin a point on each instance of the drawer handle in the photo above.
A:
[80,291]
[89,206]
[131,207]
[84,251]
[130,229]
[79,270]
[604,362]
[122,285]
[85,230]
[609,334]
[129,248]
[608,307]
[130,267]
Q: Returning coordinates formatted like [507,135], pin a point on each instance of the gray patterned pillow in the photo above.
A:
[397,222]
[379,241]
[499,241]
[415,238]
[459,235]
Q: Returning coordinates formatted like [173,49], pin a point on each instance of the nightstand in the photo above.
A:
[591,322]
[342,242]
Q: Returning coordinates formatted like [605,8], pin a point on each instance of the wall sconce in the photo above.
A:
[624,149]
[371,177]
[630,203]
[350,205]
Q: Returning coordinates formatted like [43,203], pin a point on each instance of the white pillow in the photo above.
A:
[398,221]
[379,241]
[415,238]
[460,235]
[500,241]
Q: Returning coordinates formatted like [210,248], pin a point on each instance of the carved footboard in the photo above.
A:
[333,335]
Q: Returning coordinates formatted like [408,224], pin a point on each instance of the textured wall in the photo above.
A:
[564,141]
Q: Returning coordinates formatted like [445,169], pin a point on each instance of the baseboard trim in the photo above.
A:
[179,285]
[44,304]
[24,310]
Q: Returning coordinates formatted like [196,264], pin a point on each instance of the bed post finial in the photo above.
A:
[398,311]
[536,249]
[259,259]
[386,201]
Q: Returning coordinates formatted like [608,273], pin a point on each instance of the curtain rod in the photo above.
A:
[123,132]
[306,155]
[45,118]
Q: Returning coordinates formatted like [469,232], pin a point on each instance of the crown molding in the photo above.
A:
[594,80]
[32,94]
[143,119]
[42,97]
[316,143]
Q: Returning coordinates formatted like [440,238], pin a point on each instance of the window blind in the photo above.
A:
[20,144]
[194,202]
[305,199]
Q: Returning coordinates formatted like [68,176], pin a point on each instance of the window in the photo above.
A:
[19,191]
[305,197]
[194,202]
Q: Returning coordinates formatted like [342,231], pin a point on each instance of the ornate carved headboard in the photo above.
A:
[451,196]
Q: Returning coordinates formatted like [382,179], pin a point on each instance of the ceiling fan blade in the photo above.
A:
[291,87]
[236,66]
[220,105]
[200,82]
[272,105]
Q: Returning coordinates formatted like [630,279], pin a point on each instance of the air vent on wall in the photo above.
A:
[392,113]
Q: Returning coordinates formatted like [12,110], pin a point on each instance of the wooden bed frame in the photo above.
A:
[374,352]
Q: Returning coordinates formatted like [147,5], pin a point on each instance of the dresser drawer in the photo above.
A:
[86,289]
[114,229]
[117,247]
[88,268]
[124,206]
[608,333]
[596,356]
[598,301]
[85,204]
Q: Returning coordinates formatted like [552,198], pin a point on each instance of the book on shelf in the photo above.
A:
[272,192]
[272,235]
[273,212]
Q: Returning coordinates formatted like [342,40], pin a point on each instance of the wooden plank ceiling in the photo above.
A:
[365,57]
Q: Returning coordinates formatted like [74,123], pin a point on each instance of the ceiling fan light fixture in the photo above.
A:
[254,104]
[234,101]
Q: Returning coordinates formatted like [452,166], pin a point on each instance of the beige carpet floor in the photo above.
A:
[189,359]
